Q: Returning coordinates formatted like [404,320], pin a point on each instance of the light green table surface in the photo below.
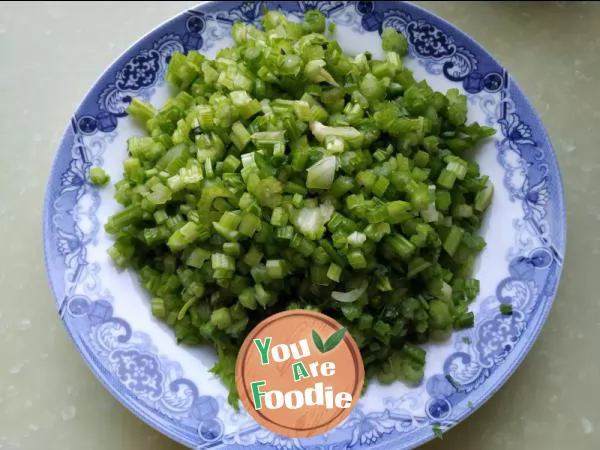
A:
[51,54]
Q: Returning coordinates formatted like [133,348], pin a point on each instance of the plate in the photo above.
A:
[169,386]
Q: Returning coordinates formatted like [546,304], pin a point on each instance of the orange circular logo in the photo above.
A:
[299,373]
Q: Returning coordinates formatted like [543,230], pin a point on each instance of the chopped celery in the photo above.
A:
[98,176]
[334,272]
[286,174]
[321,174]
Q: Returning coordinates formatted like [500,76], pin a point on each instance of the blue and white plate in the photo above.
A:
[169,386]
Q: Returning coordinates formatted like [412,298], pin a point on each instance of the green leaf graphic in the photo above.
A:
[334,340]
[318,341]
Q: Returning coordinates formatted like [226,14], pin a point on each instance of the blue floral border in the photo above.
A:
[155,388]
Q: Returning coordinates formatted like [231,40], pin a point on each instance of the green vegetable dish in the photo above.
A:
[287,174]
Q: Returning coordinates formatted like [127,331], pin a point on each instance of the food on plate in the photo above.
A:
[288,174]
[98,176]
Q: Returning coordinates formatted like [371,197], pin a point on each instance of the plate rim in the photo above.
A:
[144,414]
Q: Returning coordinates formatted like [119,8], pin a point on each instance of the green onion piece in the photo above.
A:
[294,188]
[158,308]
[439,314]
[351,296]
[314,21]
[310,222]
[160,216]
[297,201]
[365,322]
[394,41]
[398,211]
[331,252]
[246,105]
[414,352]
[253,256]
[223,262]
[315,71]
[197,258]
[376,231]
[248,299]
[462,211]
[372,88]
[356,239]
[305,246]
[268,192]
[141,111]
[262,296]
[400,246]
[249,224]
[268,139]
[226,232]
[221,318]
[356,259]
[457,166]
[279,217]
[350,135]
[377,214]
[321,174]
[232,248]
[334,272]
[98,176]
[467,320]
[383,283]
[421,158]
[231,164]
[184,309]
[380,186]
[186,235]
[506,309]
[230,220]
[367,179]
[442,200]
[239,135]
[276,269]
[453,240]
[416,266]
[285,233]
[340,186]
[446,179]
[483,198]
